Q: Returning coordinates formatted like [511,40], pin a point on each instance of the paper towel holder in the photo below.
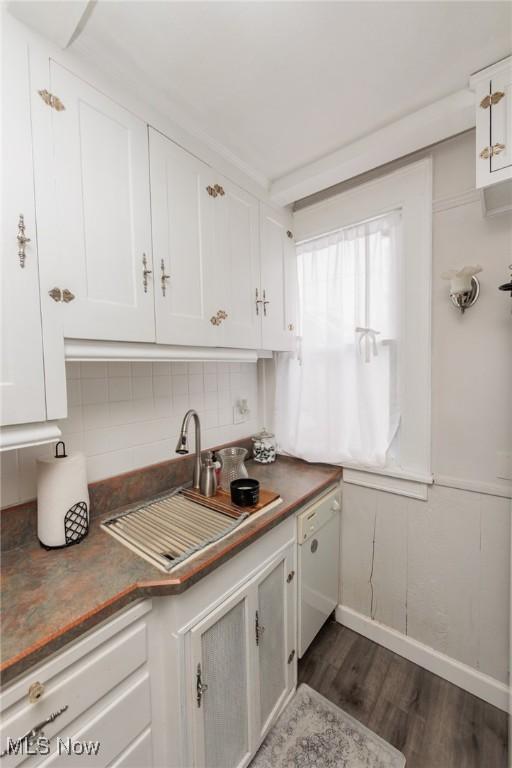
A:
[62,455]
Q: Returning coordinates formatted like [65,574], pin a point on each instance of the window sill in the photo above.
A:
[415,486]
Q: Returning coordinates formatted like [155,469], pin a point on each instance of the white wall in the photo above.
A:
[437,572]
[127,415]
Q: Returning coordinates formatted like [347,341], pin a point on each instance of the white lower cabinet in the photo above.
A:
[242,666]
[97,691]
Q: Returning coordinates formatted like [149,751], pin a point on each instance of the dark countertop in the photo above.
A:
[51,598]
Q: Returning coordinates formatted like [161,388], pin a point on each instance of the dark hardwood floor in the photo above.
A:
[434,723]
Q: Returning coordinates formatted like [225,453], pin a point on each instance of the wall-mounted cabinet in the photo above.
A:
[22,392]
[278,294]
[137,239]
[493,94]
[99,266]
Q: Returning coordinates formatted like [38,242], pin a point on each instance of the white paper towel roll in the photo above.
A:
[62,500]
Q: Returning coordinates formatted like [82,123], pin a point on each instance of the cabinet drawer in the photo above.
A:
[77,687]
[113,727]
[139,753]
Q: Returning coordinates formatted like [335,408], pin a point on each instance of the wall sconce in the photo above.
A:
[464,286]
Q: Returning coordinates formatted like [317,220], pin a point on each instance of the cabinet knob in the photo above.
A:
[291,327]
[219,190]
[211,191]
[35,692]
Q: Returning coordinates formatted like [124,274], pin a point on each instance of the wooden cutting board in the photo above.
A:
[222,501]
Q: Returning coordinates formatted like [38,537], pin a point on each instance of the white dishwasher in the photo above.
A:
[318,564]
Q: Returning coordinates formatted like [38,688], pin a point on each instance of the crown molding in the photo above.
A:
[428,125]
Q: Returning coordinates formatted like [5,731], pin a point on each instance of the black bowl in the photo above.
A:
[245,492]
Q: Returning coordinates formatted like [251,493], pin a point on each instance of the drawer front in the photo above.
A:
[138,754]
[109,732]
[76,688]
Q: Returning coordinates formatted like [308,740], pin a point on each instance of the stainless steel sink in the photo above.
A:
[170,529]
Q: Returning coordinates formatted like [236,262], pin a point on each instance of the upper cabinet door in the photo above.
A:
[501,120]
[185,276]
[102,237]
[22,395]
[237,274]
[278,280]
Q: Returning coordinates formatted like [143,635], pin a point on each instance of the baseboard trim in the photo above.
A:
[462,675]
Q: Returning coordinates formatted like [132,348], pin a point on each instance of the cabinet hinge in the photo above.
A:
[291,657]
[290,577]
[51,100]
[492,99]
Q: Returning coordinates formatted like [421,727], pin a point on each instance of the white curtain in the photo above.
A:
[337,399]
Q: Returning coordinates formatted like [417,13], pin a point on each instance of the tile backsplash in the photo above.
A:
[127,415]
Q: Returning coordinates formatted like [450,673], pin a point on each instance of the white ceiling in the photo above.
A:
[279,84]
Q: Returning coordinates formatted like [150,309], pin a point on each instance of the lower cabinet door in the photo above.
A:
[275,638]
[221,687]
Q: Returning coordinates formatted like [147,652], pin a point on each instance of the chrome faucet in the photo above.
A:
[182,446]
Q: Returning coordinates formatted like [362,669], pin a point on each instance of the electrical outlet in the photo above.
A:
[241,411]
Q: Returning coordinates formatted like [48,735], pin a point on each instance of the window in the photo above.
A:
[358,392]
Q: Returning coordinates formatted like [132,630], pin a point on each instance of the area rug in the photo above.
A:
[312,732]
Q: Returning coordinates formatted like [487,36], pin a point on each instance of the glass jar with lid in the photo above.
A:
[264,448]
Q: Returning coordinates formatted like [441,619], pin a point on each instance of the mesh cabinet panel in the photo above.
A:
[272,643]
[225,702]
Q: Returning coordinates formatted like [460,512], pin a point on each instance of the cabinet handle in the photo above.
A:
[211,191]
[22,240]
[258,301]
[291,657]
[259,629]
[265,302]
[497,148]
[164,277]
[201,687]
[219,190]
[145,272]
[290,576]
[37,730]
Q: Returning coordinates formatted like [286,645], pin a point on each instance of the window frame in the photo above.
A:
[410,190]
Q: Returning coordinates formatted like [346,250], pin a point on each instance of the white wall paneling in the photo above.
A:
[126,415]
[436,572]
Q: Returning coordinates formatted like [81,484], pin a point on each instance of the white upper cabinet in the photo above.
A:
[493,92]
[100,260]
[277,303]
[236,259]
[182,220]
[22,393]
